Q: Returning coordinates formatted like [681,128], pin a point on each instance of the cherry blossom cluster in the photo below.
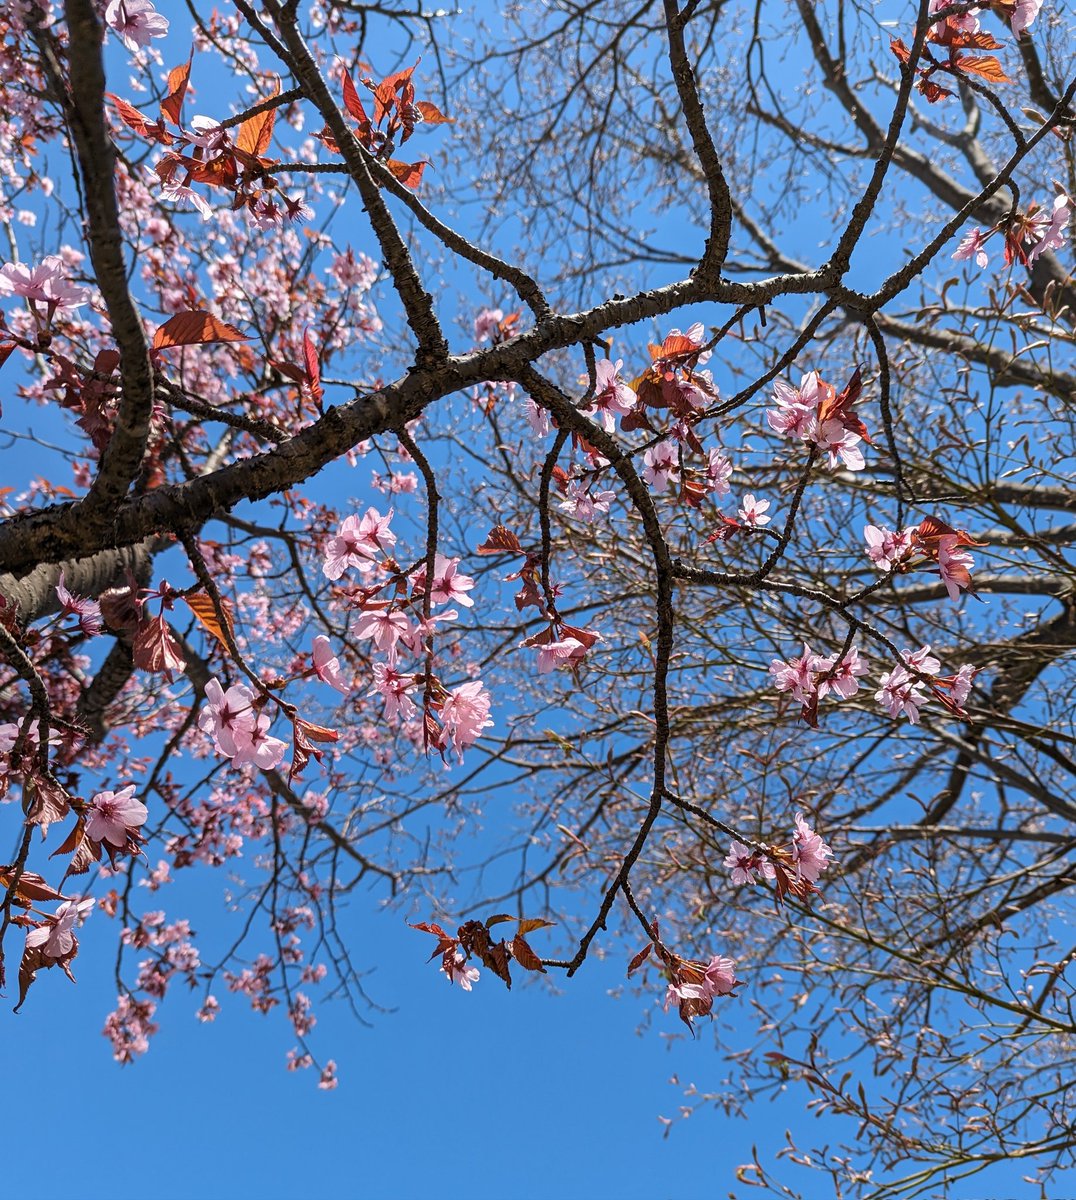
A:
[795,868]
[1027,236]
[239,729]
[934,542]
[46,288]
[816,413]
[692,985]
[811,677]
[406,622]
[905,689]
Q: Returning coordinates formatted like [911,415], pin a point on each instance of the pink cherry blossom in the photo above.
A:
[1023,15]
[487,325]
[901,695]
[357,543]
[458,972]
[745,862]
[796,407]
[612,396]
[922,661]
[182,194]
[87,611]
[563,653]
[44,284]
[1051,230]
[135,22]
[965,22]
[395,688]
[885,548]
[449,586]
[718,474]
[385,627]
[843,678]
[954,565]
[327,666]
[962,681]
[753,512]
[226,714]
[809,850]
[971,245]
[57,937]
[465,714]
[799,675]
[255,745]
[112,815]
[720,976]
[537,418]
[662,465]
[585,504]
[841,444]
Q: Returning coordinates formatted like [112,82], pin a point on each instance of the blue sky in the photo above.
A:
[489,1094]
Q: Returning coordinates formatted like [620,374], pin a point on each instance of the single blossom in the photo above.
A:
[612,396]
[327,666]
[226,714]
[1051,230]
[458,972]
[385,627]
[396,689]
[800,675]
[718,474]
[57,937]
[465,713]
[115,814]
[449,585]
[567,652]
[794,415]
[753,512]
[1023,15]
[87,611]
[135,22]
[843,677]
[487,325]
[901,694]
[971,245]
[661,465]
[841,444]
[585,504]
[954,565]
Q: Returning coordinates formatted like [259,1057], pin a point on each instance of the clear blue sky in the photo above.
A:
[485,1095]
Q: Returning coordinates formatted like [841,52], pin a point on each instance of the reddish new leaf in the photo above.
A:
[178,78]
[432,115]
[304,736]
[313,369]
[640,958]
[195,328]
[409,174]
[501,540]
[524,955]
[446,944]
[46,801]
[139,122]
[530,924]
[352,102]
[156,649]
[256,132]
[31,888]
[201,604]
[986,67]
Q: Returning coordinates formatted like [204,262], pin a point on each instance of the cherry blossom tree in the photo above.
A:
[704,596]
